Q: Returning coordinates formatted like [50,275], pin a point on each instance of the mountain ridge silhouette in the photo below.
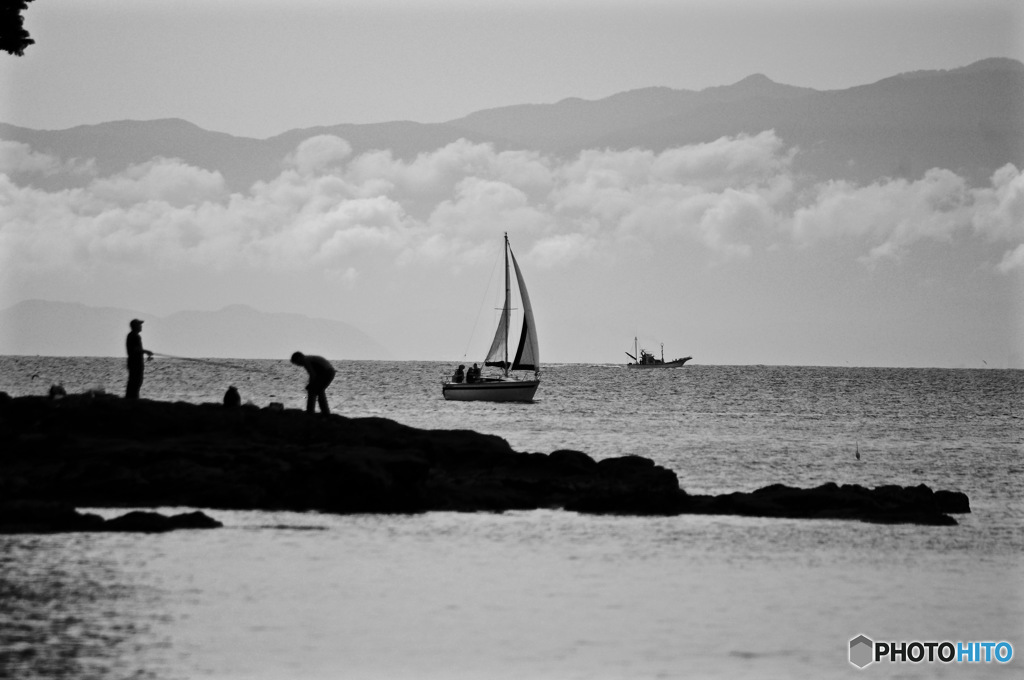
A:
[968,119]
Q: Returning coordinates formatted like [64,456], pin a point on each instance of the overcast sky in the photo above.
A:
[750,270]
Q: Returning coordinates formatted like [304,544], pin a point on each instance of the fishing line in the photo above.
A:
[249,370]
[200,361]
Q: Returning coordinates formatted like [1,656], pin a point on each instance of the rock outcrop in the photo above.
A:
[103,451]
[17,517]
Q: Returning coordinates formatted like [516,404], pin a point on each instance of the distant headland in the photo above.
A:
[39,327]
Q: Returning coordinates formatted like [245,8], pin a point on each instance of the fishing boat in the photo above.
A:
[506,385]
[648,360]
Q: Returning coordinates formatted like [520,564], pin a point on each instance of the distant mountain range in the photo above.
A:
[969,120]
[69,329]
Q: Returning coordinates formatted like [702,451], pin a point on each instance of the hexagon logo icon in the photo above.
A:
[861,651]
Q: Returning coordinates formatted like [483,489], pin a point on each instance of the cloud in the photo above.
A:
[887,215]
[167,181]
[553,251]
[17,158]
[319,154]
[1012,260]
[723,195]
[487,202]
[433,177]
[890,217]
[999,212]
[332,235]
[346,278]
[330,211]
[165,213]
[727,162]
[734,221]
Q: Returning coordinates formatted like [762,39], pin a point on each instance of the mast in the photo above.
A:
[507,312]
[497,355]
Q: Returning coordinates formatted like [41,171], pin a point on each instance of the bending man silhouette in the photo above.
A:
[321,373]
[136,363]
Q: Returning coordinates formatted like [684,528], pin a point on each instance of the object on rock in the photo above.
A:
[231,398]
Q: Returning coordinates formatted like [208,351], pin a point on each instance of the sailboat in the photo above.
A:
[505,386]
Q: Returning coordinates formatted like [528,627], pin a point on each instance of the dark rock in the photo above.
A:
[148,522]
[100,450]
[625,465]
[17,517]
[952,501]
[154,522]
[194,520]
[886,504]
[28,516]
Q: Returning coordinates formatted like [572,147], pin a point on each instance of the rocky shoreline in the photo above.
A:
[89,450]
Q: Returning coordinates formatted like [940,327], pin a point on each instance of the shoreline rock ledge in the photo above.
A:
[103,451]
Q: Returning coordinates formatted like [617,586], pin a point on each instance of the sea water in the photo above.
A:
[550,594]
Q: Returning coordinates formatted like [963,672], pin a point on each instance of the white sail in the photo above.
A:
[528,353]
[497,355]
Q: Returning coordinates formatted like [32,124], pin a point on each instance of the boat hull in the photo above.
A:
[496,390]
[668,364]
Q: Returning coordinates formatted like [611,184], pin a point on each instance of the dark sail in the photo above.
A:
[517,364]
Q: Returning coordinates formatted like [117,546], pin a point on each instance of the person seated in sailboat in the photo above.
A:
[460,374]
[474,374]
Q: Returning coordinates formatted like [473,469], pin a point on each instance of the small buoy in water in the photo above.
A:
[858,451]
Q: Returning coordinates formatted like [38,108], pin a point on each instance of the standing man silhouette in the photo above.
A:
[321,373]
[136,364]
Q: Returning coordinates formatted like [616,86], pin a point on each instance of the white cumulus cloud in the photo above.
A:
[323,153]
[329,209]
[19,158]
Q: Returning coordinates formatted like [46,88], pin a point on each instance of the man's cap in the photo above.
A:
[135,321]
